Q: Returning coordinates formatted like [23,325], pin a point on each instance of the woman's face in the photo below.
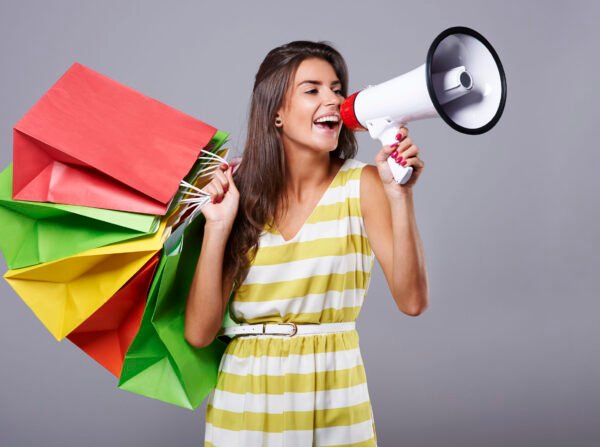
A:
[310,115]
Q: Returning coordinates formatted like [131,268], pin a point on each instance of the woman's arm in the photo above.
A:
[210,289]
[389,215]
[207,299]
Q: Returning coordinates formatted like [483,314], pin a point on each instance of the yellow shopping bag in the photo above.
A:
[66,292]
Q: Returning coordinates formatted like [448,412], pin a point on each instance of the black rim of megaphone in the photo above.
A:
[432,94]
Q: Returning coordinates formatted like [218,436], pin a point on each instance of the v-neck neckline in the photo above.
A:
[314,209]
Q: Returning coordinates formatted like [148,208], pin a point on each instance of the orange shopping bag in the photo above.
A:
[108,333]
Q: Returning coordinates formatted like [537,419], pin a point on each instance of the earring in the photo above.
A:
[278,121]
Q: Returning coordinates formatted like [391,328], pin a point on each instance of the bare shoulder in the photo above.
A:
[369,175]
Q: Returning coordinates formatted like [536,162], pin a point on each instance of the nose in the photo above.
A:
[333,99]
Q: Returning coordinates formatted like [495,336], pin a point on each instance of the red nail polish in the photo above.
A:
[399,159]
[394,154]
[399,136]
[394,146]
[225,166]
[403,163]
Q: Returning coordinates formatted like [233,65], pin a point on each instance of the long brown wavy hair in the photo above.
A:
[263,153]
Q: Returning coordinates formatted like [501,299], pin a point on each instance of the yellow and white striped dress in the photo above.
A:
[307,390]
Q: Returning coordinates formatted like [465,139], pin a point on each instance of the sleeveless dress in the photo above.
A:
[306,390]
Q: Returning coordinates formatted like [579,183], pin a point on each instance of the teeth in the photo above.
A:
[330,118]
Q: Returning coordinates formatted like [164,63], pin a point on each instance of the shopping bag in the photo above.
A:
[36,232]
[200,174]
[66,292]
[160,364]
[108,333]
[91,141]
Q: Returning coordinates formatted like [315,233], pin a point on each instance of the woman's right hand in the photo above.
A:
[225,198]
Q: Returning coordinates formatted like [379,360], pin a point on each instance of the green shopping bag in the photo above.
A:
[160,363]
[36,232]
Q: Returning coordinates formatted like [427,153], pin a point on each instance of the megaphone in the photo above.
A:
[462,81]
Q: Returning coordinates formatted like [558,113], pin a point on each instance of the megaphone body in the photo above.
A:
[462,81]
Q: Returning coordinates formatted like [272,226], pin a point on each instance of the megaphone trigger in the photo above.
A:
[385,130]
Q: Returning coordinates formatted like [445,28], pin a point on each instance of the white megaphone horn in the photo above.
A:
[462,81]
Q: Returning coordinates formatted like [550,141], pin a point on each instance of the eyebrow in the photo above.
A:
[318,83]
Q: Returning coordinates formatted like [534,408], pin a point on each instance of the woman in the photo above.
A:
[293,235]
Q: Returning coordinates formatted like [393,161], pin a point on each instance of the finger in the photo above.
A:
[405,144]
[411,151]
[235,161]
[414,162]
[211,190]
[229,175]
[410,161]
[218,188]
[399,156]
[384,153]
[402,134]
[222,178]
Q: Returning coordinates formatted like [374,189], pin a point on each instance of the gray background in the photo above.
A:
[507,353]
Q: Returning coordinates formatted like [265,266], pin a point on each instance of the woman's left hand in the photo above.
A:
[405,152]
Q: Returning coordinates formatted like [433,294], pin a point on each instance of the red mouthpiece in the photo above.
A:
[348,114]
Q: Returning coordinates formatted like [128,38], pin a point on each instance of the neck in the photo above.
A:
[306,172]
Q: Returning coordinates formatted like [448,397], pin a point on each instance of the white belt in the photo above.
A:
[289,329]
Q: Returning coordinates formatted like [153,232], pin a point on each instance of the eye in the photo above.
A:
[311,91]
[338,92]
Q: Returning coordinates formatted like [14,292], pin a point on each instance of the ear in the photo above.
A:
[282,110]
[278,120]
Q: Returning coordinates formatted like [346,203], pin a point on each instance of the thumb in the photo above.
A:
[229,175]
[235,163]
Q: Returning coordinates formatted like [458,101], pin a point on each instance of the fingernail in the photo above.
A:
[394,154]
[403,163]
[394,146]
[225,189]
[225,166]
[399,136]
[399,159]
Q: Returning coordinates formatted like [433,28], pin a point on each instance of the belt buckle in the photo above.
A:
[293,325]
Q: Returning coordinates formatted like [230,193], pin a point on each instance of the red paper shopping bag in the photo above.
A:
[94,142]
[108,333]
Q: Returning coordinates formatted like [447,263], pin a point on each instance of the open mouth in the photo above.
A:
[330,122]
